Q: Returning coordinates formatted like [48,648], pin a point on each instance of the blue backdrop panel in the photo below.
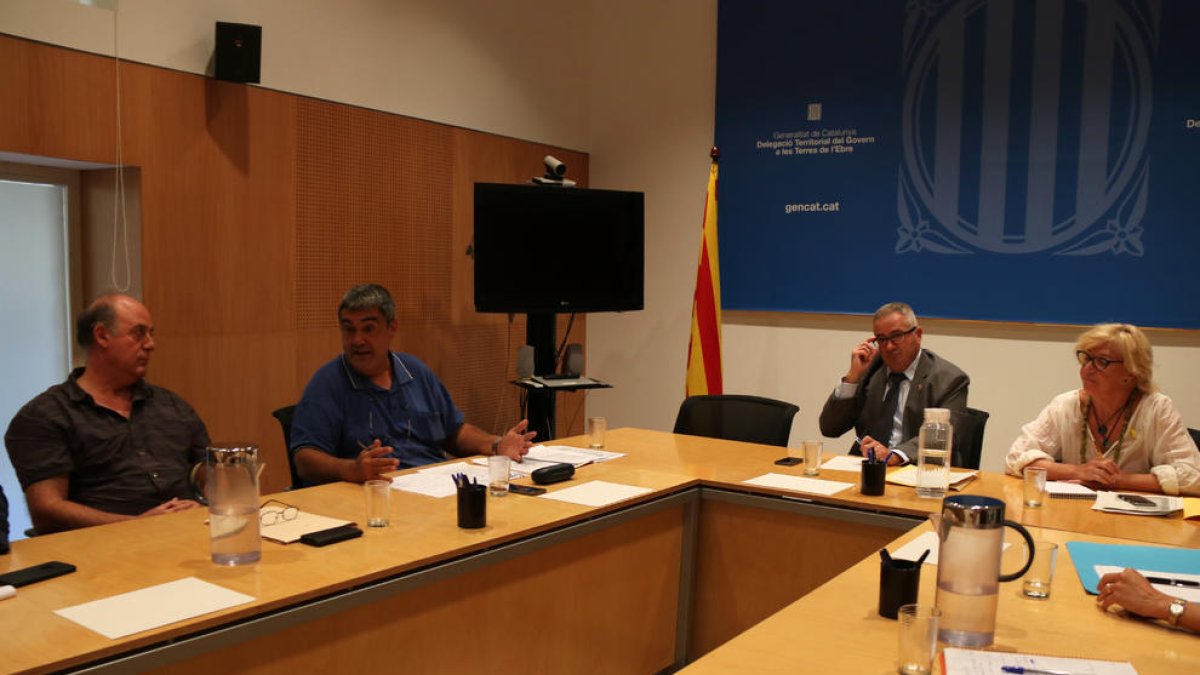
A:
[984,159]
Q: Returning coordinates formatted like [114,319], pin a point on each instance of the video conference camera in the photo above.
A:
[556,172]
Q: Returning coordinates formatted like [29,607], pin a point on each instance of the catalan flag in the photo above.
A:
[704,349]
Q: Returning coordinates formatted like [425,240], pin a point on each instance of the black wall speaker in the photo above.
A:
[238,53]
[573,360]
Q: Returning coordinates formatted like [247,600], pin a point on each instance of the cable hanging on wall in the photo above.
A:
[120,214]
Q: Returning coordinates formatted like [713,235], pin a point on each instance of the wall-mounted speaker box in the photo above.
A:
[238,53]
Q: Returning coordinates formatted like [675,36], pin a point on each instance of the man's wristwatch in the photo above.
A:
[1175,611]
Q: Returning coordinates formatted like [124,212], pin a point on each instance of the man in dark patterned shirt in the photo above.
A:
[105,445]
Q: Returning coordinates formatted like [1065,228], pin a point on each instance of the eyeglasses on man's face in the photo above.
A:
[1099,362]
[274,511]
[882,340]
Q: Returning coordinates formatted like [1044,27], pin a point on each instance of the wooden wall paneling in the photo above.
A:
[234,381]
[373,205]
[259,209]
[57,102]
[217,201]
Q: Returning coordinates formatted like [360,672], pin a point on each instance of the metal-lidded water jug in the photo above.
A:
[232,489]
[971,534]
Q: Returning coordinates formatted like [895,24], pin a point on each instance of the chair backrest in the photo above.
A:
[1195,436]
[968,437]
[734,417]
[284,415]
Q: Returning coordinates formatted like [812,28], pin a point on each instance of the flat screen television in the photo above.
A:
[547,249]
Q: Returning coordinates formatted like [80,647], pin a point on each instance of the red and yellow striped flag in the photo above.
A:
[704,349]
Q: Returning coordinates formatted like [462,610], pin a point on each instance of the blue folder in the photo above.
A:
[1086,555]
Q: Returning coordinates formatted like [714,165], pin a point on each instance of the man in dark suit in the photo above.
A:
[890,383]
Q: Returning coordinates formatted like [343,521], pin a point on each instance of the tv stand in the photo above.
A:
[539,333]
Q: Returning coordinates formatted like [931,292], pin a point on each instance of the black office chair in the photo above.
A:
[968,441]
[734,417]
[284,415]
[1195,436]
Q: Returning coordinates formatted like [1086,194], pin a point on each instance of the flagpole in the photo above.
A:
[704,374]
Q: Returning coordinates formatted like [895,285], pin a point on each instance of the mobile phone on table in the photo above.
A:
[29,575]
[1137,500]
[789,461]
[526,489]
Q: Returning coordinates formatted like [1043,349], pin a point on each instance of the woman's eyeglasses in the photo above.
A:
[1099,362]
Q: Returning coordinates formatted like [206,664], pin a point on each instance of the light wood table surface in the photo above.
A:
[633,587]
[837,628]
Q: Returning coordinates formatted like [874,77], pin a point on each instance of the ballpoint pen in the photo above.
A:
[1035,671]
[1173,582]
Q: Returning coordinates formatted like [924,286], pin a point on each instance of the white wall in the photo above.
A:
[632,83]
[514,67]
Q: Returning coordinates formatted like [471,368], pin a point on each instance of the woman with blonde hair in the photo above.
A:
[1116,432]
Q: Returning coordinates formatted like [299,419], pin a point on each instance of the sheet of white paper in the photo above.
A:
[597,493]
[128,613]
[975,662]
[288,531]
[1187,593]
[799,483]
[844,463]
[1062,488]
[908,477]
[927,541]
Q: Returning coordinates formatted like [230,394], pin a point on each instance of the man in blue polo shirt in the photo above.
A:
[371,410]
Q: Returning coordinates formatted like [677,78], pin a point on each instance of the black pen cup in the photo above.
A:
[472,506]
[874,475]
[899,583]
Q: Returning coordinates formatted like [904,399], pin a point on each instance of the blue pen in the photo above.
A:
[889,456]
[1038,671]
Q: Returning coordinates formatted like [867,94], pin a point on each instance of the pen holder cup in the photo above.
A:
[899,583]
[472,506]
[874,475]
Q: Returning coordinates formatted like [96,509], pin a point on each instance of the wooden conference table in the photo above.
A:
[644,585]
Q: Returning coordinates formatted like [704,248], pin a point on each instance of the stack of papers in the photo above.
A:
[1122,502]
[435,481]
[545,455]
[908,476]
[956,661]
